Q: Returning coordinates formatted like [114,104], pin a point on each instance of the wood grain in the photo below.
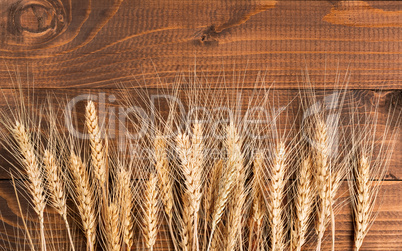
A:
[98,44]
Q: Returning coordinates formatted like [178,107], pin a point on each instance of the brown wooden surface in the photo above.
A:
[81,44]
[73,45]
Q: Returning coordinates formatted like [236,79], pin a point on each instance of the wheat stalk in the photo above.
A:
[97,145]
[275,205]
[34,173]
[303,204]
[56,190]
[235,215]
[85,199]
[126,205]
[187,225]
[210,194]
[191,157]
[165,181]
[211,187]
[258,212]
[234,163]
[363,201]
[151,212]
[113,225]
[322,180]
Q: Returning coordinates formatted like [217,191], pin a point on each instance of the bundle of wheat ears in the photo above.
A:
[224,169]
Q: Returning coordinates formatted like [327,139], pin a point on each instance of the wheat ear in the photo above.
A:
[234,163]
[210,194]
[191,162]
[126,205]
[56,190]
[165,181]
[235,215]
[113,226]
[34,173]
[211,187]
[258,212]
[85,199]
[362,209]
[187,225]
[151,212]
[97,145]
[322,180]
[277,188]
[303,204]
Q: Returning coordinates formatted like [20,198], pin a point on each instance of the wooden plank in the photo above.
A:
[384,234]
[279,98]
[96,44]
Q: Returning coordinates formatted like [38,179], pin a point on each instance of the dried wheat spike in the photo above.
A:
[34,173]
[277,189]
[56,187]
[234,164]
[126,206]
[113,230]
[187,225]
[85,198]
[57,190]
[97,145]
[364,199]
[191,157]
[235,218]
[211,187]
[151,212]
[165,181]
[303,202]
[258,212]
[322,179]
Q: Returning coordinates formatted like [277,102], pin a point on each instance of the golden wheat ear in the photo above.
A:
[371,152]
[84,197]
[304,192]
[126,203]
[34,173]
[54,163]
[322,124]
[258,207]
[151,211]
[98,150]
[191,157]
[227,182]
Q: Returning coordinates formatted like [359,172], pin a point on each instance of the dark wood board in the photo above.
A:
[98,44]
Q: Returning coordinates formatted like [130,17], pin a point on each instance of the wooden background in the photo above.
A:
[77,46]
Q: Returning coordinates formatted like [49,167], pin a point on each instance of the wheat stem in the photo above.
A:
[363,201]
[33,170]
[56,189]
[278,183]
[303,204]
[85,198]
[151,212]
[126,205]
[257,203]
[113,227]
[234,163]
[97,145]
[322,180]
[165,181]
